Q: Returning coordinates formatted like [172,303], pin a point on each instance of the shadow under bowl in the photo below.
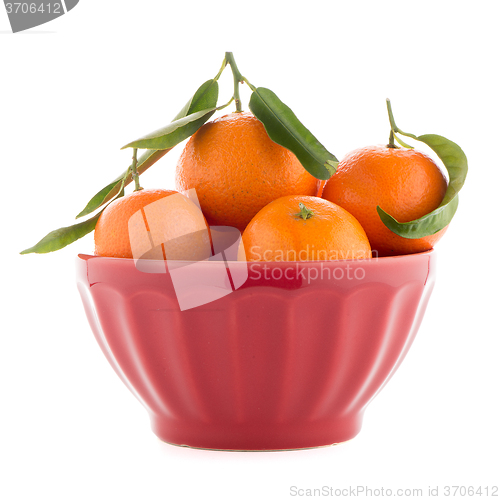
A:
[280,355]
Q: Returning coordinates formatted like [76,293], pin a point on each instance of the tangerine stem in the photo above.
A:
[135,175]
[238,78]
[305,213]
[391,141]
[225,105]
[224,64]
[249,84]
[394,127]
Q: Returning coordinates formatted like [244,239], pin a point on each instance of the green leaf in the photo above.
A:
[455,161]
[425,226]
[148,158]
[205,97]
[174,133]
[62,237]
[284,128]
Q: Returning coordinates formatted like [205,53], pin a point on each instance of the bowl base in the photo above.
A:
[253,451]
[256,436]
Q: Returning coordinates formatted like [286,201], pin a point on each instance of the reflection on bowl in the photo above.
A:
[289,359]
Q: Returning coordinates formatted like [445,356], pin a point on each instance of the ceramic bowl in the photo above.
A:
[256,356]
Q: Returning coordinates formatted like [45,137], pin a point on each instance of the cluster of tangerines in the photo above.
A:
[245,180]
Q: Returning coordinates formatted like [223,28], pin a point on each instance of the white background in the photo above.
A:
[73,91]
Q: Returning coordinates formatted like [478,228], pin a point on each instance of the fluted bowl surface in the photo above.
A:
[288,358]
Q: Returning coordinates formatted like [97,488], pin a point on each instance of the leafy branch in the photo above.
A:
[455,162]
[281,124]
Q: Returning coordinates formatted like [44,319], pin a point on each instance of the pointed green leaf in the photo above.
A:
[455,161]
[62,237]
[174,133]
[205,97]
[284,128]
[425,226]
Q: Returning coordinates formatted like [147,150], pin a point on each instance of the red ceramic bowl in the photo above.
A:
[289,359]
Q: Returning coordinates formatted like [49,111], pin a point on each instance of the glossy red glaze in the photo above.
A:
[284,362]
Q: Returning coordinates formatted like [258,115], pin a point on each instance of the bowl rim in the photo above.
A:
[85,257]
